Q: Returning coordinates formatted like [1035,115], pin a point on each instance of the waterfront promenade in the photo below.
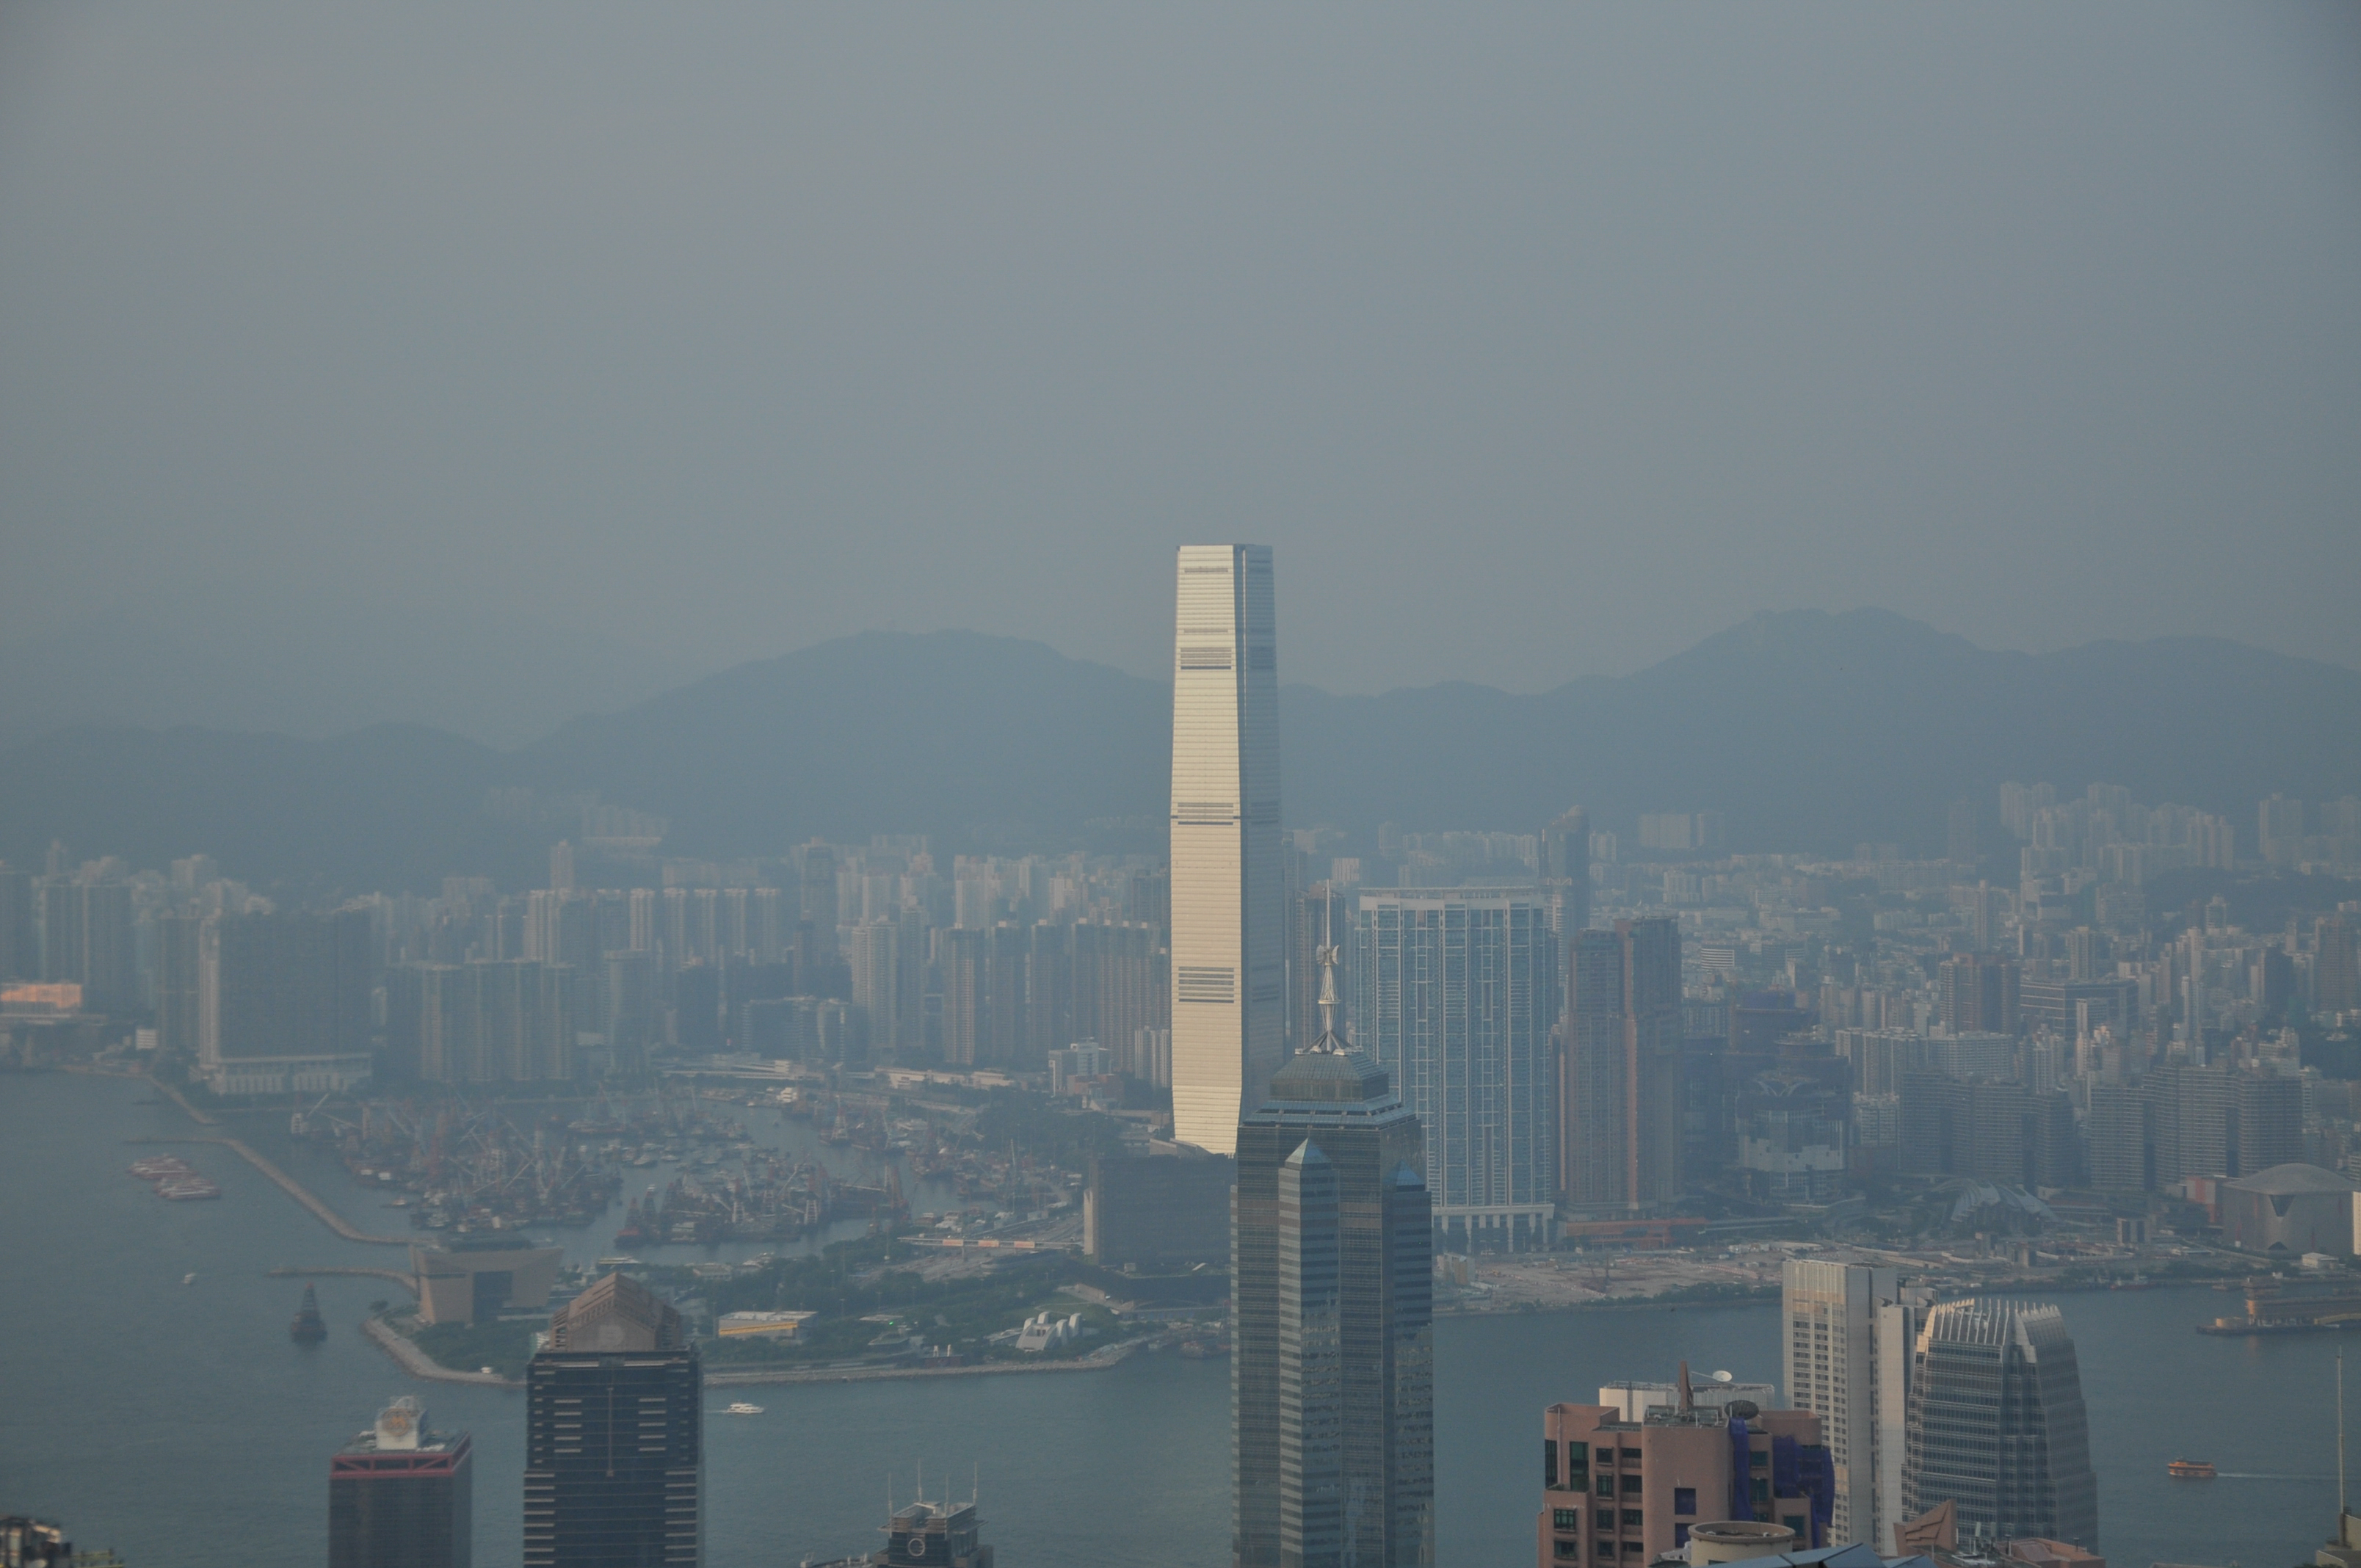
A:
[1097,1361]
[418,1364]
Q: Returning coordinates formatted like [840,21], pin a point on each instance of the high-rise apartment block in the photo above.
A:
[492,1021]
[614,1436]
[402,1495]
[179,986]
[1976,992]
[879,983]
[20,944]
[87,938]
[2335,965]
[1229,958]
[1333,1367]
[1455,996]
[2279,830]
[1991,1129]
[1997,1425]
[1011,993]
[1848,1333]
[283,1003]
[1620,1100]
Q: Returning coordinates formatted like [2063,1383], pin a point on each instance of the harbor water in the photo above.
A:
[179,1424]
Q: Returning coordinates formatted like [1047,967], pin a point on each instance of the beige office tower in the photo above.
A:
[1898,1323]
[1228,936]
[1830,1315]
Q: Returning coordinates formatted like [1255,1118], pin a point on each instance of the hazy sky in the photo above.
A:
[1538,341]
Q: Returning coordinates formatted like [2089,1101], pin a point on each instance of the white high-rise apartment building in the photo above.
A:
[1228,949]
[1850,1329]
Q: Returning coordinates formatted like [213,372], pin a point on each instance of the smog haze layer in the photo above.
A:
[479,369]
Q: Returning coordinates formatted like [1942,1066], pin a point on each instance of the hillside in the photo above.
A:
[1808,730]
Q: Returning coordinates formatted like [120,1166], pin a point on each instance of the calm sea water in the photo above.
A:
[181,1427]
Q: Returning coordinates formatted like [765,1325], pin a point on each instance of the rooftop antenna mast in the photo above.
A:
[1327,957]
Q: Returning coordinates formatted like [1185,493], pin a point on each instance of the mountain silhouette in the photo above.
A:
[1809,731]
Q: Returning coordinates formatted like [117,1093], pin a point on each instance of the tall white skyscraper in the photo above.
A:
[1228,923]
[1850,1333]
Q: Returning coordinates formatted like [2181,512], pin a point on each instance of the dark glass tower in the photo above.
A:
[614,1436]
[1565,872]
[403,1496]
[1331,1269]
[1996,1423]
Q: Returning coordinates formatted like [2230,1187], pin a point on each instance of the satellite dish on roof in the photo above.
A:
[1725,1378]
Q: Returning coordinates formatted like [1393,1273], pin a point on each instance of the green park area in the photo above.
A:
[870,1291]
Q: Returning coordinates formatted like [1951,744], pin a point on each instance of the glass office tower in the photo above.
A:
[1997,1424]
[614,1436]
[1332,1369]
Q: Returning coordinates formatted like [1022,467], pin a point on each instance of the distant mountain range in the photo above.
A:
[1807,730]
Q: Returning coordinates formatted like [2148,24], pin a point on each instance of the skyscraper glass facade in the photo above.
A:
[1997,1425]
[1332,1371]
[1454,996]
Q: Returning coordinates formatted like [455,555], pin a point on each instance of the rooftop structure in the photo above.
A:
[1615,1489]
[925,1535]
[401,1495]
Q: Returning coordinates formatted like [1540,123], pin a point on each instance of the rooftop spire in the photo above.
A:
[1325,956]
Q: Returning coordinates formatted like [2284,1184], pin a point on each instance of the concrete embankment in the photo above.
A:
[418,1364]
[285,1183]
[1097,1361]
[301,1194]
[293,1188]
[201,1118]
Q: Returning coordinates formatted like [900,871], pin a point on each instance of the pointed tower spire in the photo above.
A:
[1325,956]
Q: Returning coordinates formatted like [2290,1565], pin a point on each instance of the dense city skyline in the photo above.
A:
[631,836]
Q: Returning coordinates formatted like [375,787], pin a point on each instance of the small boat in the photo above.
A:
[744,1409]
[2190,1470]
[188,1279]
[309,1327]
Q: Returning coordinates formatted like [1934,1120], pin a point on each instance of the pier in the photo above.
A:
[284,1182]
[293,1188]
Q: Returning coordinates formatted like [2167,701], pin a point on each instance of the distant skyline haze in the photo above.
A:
[482,367]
